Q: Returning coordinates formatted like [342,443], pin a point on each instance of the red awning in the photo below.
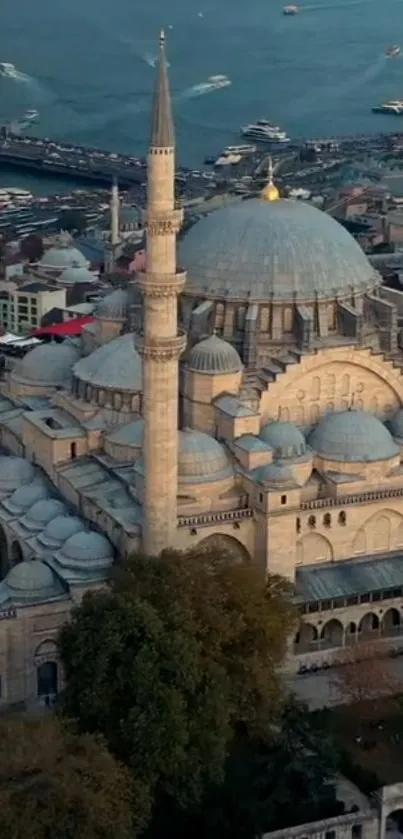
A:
[68,328]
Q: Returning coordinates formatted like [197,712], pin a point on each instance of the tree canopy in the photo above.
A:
[179,654]
[56,783]
[73,221]
[32,248]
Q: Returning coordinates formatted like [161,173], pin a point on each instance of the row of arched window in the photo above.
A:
[326,521]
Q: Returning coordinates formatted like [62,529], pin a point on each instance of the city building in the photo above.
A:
[244,390]
[23,307]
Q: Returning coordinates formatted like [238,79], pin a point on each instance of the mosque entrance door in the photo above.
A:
[46,676]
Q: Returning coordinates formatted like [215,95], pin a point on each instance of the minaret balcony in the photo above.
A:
[160,349]
[153,284]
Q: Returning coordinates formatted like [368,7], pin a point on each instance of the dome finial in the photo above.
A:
[270,191]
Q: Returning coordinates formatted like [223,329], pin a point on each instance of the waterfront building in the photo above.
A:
[23,306]
[253,402]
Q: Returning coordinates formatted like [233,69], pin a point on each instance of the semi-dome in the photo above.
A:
[76,274]
[201,458]
[283,250]
[275,474]
[58,530]
[115,366]
[353,436]
[32,582]
[63,256]
[284,438]
[49,364]
[14,473]
[213,355]
[114,306]
[24,497]
[38,516]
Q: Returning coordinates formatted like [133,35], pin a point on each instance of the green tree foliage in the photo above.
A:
[73,221]
[270,783]
[55,783]
[168,664]
[32,248]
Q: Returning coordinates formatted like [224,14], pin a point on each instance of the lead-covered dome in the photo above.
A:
[41,513]
[15,472]
[63,256]
[201,458]
[353,436]
[85,557]
[214,356]
[49,364]
[275,475]
[76,274]
[282,250]
[284,438]
[32,582]
[24,497]
[114,306]
[114,366]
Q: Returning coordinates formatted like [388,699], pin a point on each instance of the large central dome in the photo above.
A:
[258,250]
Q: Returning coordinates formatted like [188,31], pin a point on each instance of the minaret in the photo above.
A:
[114,214]
[161,342]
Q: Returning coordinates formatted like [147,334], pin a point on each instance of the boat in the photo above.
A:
[212,83]
[290,10]
[265,132]
[30,116]
[394,106]
[7,70]
[392,51]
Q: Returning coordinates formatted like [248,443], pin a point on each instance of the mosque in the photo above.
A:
[253,401]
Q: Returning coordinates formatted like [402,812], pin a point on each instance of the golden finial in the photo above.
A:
[270,191]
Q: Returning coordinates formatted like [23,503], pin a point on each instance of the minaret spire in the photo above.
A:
[162,128]
[114,214]
[161,342]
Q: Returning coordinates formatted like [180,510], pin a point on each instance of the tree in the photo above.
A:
[364,674]
[56,783]
[167,664]
[31,248]
[73,221]
[269,783]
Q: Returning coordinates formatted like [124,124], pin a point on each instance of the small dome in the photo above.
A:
[49,364]
[396,425]
[14,473]
[275,474]
[32,582]
[128,435]
[41,513]
[24,497]
[213,355]
[114,366]
[284,438]
[59,530]
[352,436]
[60,257]
[84,557]
[201,458]
[76,274]
[114,306]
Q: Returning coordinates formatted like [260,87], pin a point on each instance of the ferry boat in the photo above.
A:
[212,83]
[290,10]
[243,150]
[392,51]
[7,70]
[394,106]
[265,132]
